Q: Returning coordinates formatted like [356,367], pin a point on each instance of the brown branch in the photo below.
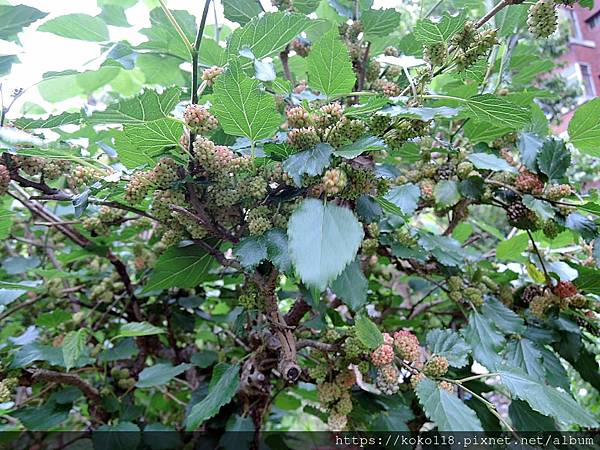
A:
[90,392]
[297,312]
[20,306]
[302,343]
[284,57]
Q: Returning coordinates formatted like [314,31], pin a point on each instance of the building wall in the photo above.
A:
[581,63]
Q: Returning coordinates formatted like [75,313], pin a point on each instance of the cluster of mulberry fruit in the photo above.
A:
[542,18]
[472,44]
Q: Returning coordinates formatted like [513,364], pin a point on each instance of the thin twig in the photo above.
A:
[176,25]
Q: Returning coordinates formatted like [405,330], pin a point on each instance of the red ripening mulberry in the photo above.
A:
[565,289]
[388,339]
[529,183]
[210,75]
[382,355]
[407,345]
[298,117]
[199,119]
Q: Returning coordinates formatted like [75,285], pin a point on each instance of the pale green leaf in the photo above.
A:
[511,249]
[146,107]
[13,18]
[379,22]
[65,118]
[367,332]
[329,67]
[428,31]
[241,11]
[446,410]
[487,161]
[584,128]
[159,374]
[154,138]
[133,329]
[497,111]
[242,108]
[323,240]
[77,26]
[72,347]
[268,34]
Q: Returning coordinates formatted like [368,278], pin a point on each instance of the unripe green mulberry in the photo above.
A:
[388,88]
[474,295]
[416,378]
[436,53]
[319,373]
[163,201]
[542,19]
[551,229]
[328,115]
[391,51]
[370,246]
[464,169]
[303,138]
[328,393]
[165,172]
[436,366]
[379,124]
[373,70]
[5,394]
[344,405]
[138,187]
[353,348]
[558,191]
[337,422]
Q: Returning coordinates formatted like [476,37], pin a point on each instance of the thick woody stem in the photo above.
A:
[288,366]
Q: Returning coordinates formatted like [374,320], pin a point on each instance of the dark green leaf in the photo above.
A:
[554,159]
[351,286]
[450,345]
[308,162]
[159,374]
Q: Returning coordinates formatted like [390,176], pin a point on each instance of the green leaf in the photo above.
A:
[277,249]
[241,11]
[545,399]
[524,418]
[159,374]
[446,193]
[529,147]
[554,159]
[223,386]
[584,128]
[364,144]
[379,22]
[502,317]
[242,108]
[121,436]
[450,345]
[585,227]
[323,240]
[6,221]
[65,118]
[512,249]
[367,332]
[497,111]
[588,279]
[163,37]
[146,107]
[308,162]
[133,329]
[14,18]
[405,197]
[526,355]
[250,251]
[487,161]
[484,339]
[73,346]
[77,26]
[124,349]
[184,267]
[154,138]
[114,15]
[351,286]
[540,207]
[329,67]
[268,34]
[430,32]
[445,409]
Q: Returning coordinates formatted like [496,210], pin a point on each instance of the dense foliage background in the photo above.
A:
[327,217]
